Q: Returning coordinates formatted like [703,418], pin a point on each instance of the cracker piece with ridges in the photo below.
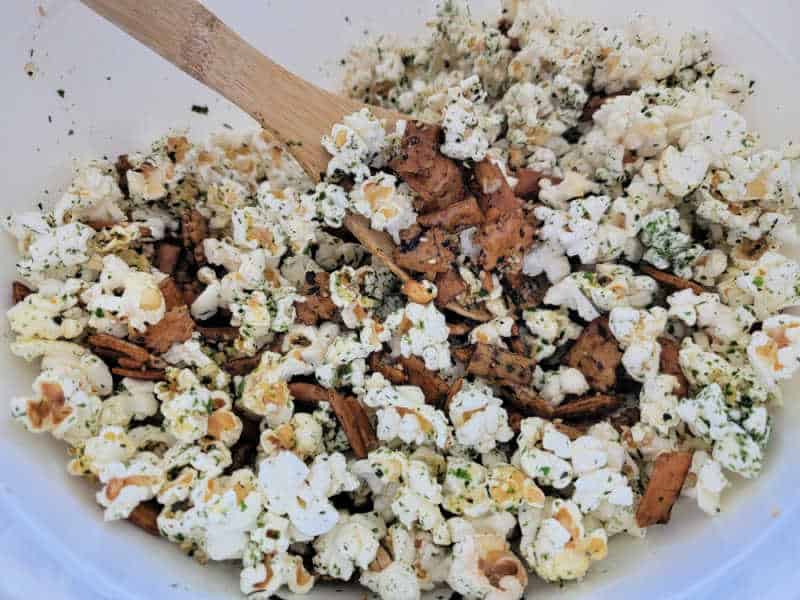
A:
[666,480]
[596,354]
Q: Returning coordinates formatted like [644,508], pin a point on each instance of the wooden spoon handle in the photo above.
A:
[192,38]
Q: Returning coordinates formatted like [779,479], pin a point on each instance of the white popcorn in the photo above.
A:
[552,328]
[773,351]
[683,171]
[261,579]
[136,401]
[265,392]
[567,293]
[658,404]
[48,251]
[574,185]
[465,138]
[737,447]
[140,304]
[492,332]
[557,545]
[51,313]
[465,488]
[68,360]
[427,335]
[705,482]
[128,483]
[478,417]
[637,331]
[554,386]
[548,465]
[474,555]
[93,196]
[192,411]
[59,405]
[291,488]
[302,435]
[403,414]
[773,282]
[332,202]
[386,203]
[355,144]
[353,542]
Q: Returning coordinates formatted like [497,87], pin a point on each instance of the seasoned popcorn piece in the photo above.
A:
[596,355]
[666,480]
[637,331]
[436,178]
[353,543]
[557,543]
[555,386]
[478,417]
[484,567]
[705,482]
[387,203]
[775,350]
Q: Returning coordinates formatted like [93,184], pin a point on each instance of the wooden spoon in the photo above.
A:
[195,40]
[295,111]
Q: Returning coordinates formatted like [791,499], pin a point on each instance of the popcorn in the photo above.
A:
[332,203]
[70,360]
[403,414]
[554,386]
[192,411]
[303,493]
[386,203]
[683,171]
[93,196]
[265,392]
[60,405]
[261,580]
[773,351]
[137,401]
[478,417]
[426,335]
[658,404]
[49,251]
[705,482]
[558,547]
[140,304]
[355,144]
[51,313]
[548,465]
[773,282]
[637,331]
[484,567]
[667,248]
[465,488]
[344,363]
[492,332]
[353,542]
[551,328]
[129,483]
[736,446]
[465,135]
[510,488]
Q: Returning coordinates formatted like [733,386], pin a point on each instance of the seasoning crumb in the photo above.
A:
[31,69]
[71,132]
[61,93]
[200,109]
[775,513]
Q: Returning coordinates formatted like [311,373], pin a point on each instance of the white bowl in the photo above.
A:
[119,97]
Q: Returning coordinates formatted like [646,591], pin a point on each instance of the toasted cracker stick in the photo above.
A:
[588,406]
[500,365]
[145,516]
[668,279]
[666,481]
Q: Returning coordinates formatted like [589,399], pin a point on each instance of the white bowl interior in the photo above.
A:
[119,97]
